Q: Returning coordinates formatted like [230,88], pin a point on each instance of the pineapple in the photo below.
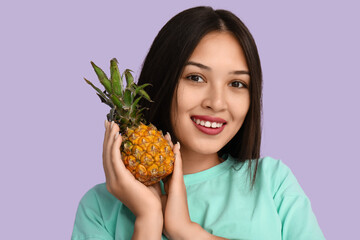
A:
[144,150]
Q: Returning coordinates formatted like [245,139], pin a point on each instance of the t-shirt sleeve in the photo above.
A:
[294,207]
[89,224]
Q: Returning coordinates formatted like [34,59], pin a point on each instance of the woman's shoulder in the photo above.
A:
[269,165]
[98,214]
[97,190]
[277,176]
[276,180]
[99,196]
[265,165]
[270,162]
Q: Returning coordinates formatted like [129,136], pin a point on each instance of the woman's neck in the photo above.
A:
[194,162]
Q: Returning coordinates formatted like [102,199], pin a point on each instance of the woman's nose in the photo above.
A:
[215,99]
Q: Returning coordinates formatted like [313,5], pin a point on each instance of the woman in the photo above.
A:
[206,85]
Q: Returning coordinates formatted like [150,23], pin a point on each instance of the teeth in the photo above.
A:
[207,123]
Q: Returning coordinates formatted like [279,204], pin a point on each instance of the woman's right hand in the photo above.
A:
[144,202]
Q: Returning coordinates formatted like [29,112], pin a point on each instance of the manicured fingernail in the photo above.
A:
[112,124]
[179,145]
[116,135]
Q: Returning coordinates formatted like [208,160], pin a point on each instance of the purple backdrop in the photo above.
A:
[52,122]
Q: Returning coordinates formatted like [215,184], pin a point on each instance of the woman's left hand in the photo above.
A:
[177,222]
[174,203]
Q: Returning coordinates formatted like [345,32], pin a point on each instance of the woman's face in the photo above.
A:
[212,98]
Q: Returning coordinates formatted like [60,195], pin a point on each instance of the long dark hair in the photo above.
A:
[165,62]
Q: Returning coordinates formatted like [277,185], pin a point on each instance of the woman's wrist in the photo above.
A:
[194,231]
[191,231]
[149,209]
[148,226]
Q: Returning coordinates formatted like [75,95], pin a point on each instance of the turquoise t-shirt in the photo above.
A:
[220,200]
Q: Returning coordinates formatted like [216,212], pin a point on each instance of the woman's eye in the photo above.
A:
[195,78]
[237,84]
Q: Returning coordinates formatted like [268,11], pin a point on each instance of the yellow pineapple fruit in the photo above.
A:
[144,150]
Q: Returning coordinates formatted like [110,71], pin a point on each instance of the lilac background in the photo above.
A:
[52,122]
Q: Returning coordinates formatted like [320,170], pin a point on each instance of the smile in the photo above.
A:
[207,124]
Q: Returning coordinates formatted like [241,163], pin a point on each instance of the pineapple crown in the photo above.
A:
[123,102]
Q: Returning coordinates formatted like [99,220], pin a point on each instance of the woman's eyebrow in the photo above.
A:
[240,72]
[202,66]
[198,65]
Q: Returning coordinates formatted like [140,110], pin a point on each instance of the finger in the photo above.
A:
[176,202]
[109,131]
[176,185]
[116,160]
[106,134]
[178,172]
[106,165]
[110,136]
[168,139]
[112,129]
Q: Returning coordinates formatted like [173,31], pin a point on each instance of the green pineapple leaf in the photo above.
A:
[106,101]
[135,103]
[116,79]
[96,89]
[145,95]
[116,101]
[133,108]
[127,98]
[102,78]
[139,116]
[129,78]
[139,88]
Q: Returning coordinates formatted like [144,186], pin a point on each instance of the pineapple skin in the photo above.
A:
[147,154]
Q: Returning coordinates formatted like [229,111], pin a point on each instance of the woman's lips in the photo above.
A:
[208,125]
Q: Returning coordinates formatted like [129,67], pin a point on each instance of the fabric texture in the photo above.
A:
[220,200]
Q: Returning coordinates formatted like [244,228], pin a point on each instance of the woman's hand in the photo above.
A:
[144,202]
[175,208]
[177,222]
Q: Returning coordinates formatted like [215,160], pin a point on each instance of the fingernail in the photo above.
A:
[116,135]
[105,123]
[179,145]
[112,124]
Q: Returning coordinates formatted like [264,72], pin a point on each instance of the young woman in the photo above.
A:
[206,85]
